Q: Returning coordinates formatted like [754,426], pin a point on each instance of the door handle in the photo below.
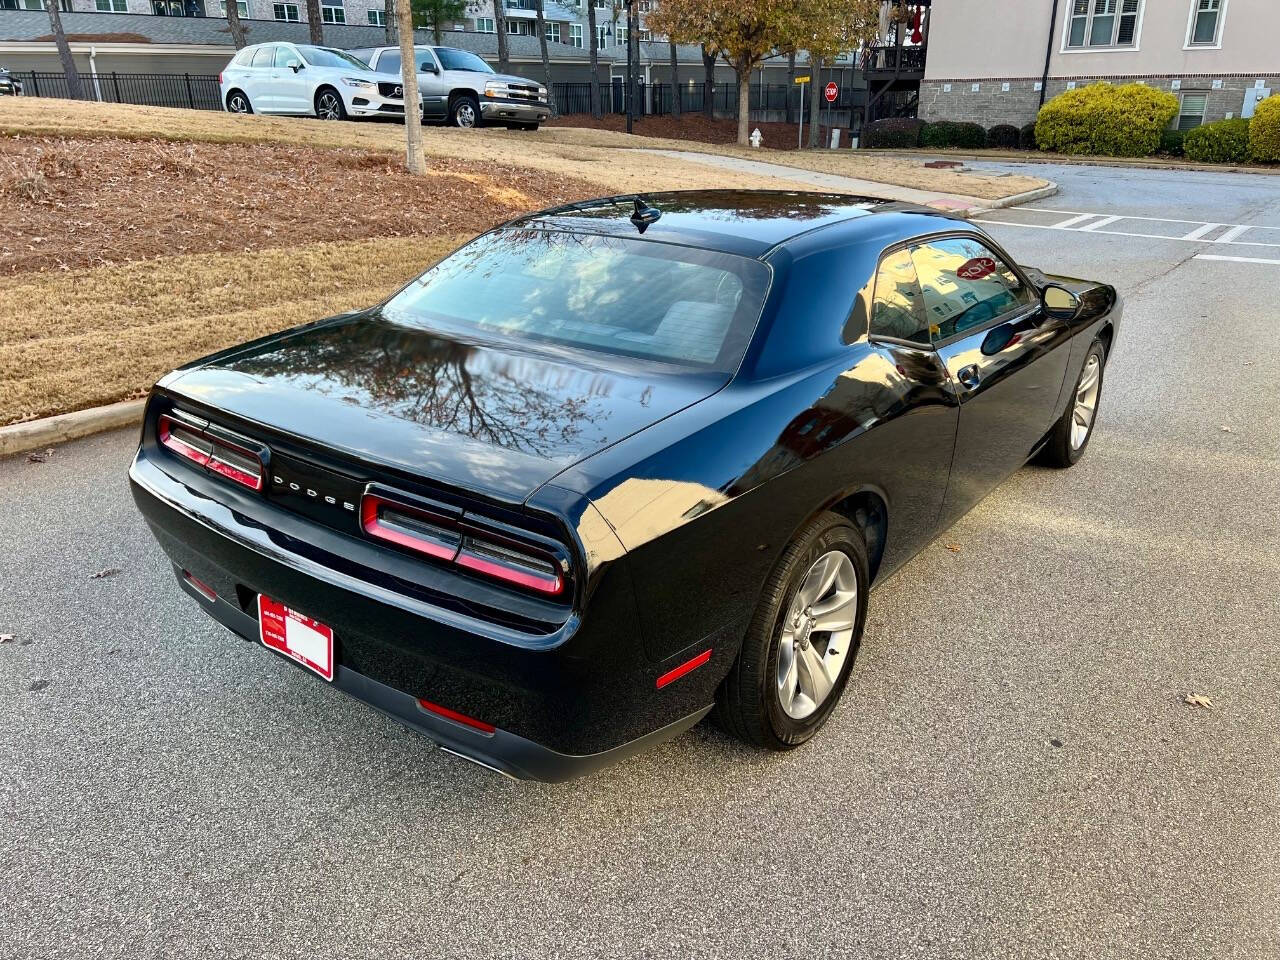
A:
[969,376]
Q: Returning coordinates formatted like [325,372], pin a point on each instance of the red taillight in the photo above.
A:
[456,717]
[219,78]
[214,453]
[451,539]
[687,667]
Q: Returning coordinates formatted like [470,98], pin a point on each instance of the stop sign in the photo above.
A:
[830,92]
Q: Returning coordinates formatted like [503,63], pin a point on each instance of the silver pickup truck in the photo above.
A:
[461,89]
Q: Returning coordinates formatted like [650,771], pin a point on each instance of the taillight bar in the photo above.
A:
[449,538]
[211,451]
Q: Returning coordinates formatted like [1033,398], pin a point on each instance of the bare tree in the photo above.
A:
[595,59]
[388,19]
[500,25]
[415,156]
[546,58]
[675,83]
[64,52]
[315,23]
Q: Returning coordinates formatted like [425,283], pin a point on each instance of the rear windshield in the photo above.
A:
[328,57]
[606,294]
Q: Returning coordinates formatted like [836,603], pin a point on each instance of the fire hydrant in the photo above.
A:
[755,138]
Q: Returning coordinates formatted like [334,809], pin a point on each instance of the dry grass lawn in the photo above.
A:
[79,339]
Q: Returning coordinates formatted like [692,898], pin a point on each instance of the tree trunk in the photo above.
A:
[437,24]
[64,52]
[815,100]
[415,156]
[388,19]
[791,83]
[234,24]
[595,60]
[675,84]
[708,84]
[744,104]
[315,23]
[546,58]
[500,24]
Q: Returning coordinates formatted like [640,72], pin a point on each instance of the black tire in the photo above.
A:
[329,105]
[1061,450]
[747,703]
[238,102]
[464,111]
[522,126]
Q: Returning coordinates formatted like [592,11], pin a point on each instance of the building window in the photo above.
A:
[1103,23]
[377,18]
[242,8]
[643,35]
[286,11]
[330,13]
[622,34]
[575,35]
[602,38]
[646,6]
[1206,21]
[485,25]
[122,6]
[553,33]
[1191,113]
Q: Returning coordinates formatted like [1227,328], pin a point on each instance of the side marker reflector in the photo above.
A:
[456,717]
[687,667]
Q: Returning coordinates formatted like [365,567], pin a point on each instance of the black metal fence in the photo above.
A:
[194,91]
[655,99]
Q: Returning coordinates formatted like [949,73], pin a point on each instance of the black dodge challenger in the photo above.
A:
[612,466]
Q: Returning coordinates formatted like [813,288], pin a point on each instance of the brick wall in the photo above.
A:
[1016,100]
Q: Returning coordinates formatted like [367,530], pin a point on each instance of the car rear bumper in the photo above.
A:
[557,711]
[514,111]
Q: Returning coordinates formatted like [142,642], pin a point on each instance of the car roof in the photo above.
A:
[744,222]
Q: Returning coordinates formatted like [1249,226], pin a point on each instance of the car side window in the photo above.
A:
[965,285]
[389,62]
[426,62]
[898,309]
[243,57]
[285,56]
[262,57]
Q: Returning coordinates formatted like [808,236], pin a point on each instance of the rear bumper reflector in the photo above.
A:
[456,717]
[671,676]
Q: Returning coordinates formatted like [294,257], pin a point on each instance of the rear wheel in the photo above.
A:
[237,102]
[464,112]
[329,105]
[802,641]
[1071,434]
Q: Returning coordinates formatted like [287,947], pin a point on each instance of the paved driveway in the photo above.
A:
[1012,772]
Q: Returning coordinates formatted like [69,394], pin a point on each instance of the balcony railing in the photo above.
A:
[892,59]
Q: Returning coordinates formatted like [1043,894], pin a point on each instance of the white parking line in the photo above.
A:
[1104,222]
[1232,233]
[1210,256]
[1199,232]
[1065,224]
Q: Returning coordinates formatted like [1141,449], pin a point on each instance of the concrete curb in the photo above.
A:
[981,206]
[33,434]
[1116,163]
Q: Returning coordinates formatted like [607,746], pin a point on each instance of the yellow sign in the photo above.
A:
[801,80]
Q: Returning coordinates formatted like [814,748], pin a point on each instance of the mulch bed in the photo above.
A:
[779,136]
[70,203]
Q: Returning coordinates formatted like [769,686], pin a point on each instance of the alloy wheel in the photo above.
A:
[328,107]
[1086,404]
[465,115]
[239,104]
[817,633]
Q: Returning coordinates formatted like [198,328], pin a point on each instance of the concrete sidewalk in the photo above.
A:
[950,202]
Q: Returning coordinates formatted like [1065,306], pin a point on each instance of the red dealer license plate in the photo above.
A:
[297,636]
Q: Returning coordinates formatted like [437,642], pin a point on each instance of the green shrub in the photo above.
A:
[1226,141]
[1003,137]
[1118,121]
[948,133]
[1027,136]
[899,132]
[1264,131]
[1171,142]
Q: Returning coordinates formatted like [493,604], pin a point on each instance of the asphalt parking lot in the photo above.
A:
[1012,772]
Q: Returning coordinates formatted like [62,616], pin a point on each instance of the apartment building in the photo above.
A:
[996,61]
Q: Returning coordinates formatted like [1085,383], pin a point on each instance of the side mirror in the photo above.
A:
[295,65]
[1059,303]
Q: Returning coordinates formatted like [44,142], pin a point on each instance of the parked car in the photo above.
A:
[10,86]
[310,81]
[461,89]
[614,465]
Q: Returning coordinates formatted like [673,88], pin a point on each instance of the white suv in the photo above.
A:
[309,81]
